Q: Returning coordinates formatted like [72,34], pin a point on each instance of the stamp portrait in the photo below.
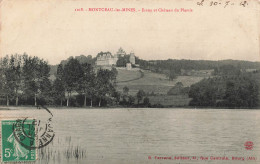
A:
[11,147]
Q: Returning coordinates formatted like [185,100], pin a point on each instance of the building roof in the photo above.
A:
[104,54]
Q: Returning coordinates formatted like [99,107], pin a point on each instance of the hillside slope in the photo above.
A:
[149,81]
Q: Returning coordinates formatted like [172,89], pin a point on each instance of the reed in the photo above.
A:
[61,150]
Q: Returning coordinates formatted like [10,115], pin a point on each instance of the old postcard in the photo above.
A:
[130,81]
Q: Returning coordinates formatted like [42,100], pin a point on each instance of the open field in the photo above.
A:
[151,82]
[126,75]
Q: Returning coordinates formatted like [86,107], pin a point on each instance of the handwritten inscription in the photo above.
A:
[222,3]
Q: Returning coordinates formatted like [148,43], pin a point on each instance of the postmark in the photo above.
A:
[43,133]
[12,150]
[42,136]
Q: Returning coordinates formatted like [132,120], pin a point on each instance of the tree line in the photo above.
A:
[75,78]
[24,75]
[129,100]
[25,80]
[172,67]
[239,90]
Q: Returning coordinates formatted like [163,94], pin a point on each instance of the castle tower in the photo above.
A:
[132,58]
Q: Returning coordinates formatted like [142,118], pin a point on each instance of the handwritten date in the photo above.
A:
[221,3]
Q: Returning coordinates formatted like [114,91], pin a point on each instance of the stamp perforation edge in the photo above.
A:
[1,143]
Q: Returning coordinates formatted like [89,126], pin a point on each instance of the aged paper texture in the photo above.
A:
[130,81]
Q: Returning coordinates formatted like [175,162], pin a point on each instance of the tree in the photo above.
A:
[125,95]
[36,81]
[122,60]
[204,92]
[125,90]
[58,85]
[172,75]
[92,90]
[114,74]
[140,94]
[131,100]
[6,80]
[72,74]
[225,91]
[2,78]
[176,90]
[86,82]
[44,84]
[227,70]
[105,83]
[13,76]
[117,96]
[11,69]
[179,84]
[30,81]
[241,92]
[146,101]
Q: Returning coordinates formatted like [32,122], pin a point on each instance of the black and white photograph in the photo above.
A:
[130,81]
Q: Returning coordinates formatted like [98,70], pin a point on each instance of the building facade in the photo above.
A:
[128,66]
[106,59]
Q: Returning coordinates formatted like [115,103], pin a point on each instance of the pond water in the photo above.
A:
[135,135]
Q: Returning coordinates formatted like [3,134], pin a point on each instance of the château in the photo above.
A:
[107,59]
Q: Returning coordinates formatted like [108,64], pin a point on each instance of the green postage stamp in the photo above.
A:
[15,135]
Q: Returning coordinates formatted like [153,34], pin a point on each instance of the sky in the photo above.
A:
[53,30]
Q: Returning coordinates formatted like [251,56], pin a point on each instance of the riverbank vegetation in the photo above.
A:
[26,80]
